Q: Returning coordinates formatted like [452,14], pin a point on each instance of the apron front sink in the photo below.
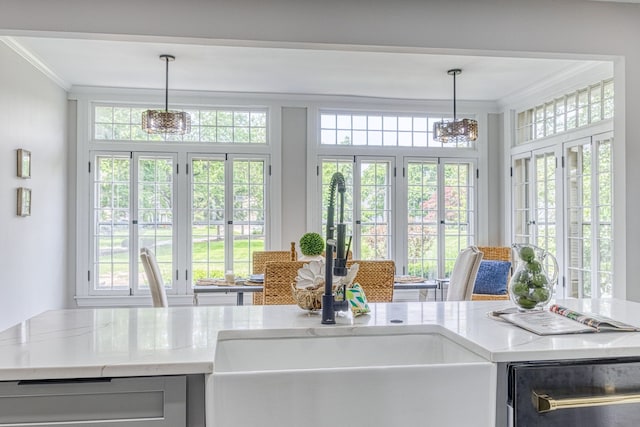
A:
[348,377]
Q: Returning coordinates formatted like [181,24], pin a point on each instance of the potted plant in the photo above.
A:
[312,247]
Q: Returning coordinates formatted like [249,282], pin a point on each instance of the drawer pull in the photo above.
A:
[545,403]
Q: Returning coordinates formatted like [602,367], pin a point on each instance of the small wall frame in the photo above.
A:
[24,163]
[24,201]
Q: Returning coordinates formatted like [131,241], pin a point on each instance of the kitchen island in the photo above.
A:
[181,341]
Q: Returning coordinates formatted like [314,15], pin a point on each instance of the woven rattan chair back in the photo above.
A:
[278,277]
[495,253]
[259,261]
[376,278]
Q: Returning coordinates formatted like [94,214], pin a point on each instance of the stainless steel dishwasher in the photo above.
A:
[598,393]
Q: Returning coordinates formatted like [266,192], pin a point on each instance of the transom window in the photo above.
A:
[381,130]
[573,110]
[210,125]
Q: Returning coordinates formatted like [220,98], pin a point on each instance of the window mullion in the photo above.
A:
[356,245]
[228,214]
[134,286]
[595,223]
[441,221]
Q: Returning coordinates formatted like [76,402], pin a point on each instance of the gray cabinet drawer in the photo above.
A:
[139,401]
[590,382]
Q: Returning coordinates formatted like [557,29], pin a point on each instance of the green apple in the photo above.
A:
[526,302]
[534,266]
[520,289]
[539,294]
[527,253]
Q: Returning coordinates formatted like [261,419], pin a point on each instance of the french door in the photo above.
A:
[229,204]
[133,207]
[441,213]
[589,226]
[435,216]
[537,201]
[568,210]
[369,198]
[136,203]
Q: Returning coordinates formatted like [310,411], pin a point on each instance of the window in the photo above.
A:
[369,219]
[402,203]
[201,212]
[441,214]
[574,110]
[212,125]
[521,204]
[580,235]
[381,130]
[133,208]
[218,245]
[535,198]
[588,179]
[440,206]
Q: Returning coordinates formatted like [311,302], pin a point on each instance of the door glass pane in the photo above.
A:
[155,214]
[422,219]
[578,187]
[111,222]
[458,211]
[329,167]
[207,218]
[248,193]
[604,214]
[375,210]
[521,197]
[590,238]
[545,204]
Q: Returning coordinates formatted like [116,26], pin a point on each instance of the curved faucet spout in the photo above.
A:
[329,304]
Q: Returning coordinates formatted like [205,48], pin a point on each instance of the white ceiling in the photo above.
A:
[313,70]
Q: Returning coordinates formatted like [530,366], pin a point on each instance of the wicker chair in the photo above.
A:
[496,253]
[376,278]
[278,277]
[260,259]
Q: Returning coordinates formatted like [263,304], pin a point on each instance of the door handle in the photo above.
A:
[545,403]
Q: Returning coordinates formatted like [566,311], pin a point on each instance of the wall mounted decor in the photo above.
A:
[24,201]
[24,163]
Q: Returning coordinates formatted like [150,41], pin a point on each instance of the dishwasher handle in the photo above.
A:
[545,403]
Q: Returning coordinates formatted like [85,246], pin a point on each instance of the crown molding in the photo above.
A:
[567,81]
[36,62]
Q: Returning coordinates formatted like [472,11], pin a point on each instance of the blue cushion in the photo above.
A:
[492,277]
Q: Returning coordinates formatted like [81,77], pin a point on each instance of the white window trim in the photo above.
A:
[84,145]
[477,155]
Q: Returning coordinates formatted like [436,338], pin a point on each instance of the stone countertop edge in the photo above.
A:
[118,342]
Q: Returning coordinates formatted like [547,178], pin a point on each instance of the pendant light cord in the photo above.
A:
[166,86]
[454,96]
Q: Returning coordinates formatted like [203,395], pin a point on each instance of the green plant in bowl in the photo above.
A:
[311,245]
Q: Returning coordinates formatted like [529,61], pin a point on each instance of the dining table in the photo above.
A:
[242,286]
[239,288]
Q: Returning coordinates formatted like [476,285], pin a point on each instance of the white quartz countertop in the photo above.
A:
[112,342]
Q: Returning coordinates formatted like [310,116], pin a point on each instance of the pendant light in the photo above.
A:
[166,121]
[458,131]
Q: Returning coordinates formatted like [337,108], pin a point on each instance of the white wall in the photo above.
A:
[33,257]
[294,175]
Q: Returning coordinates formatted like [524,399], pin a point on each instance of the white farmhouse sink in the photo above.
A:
[350,377]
